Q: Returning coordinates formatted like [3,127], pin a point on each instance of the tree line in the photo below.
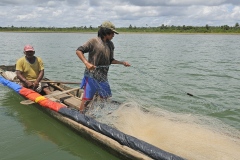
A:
[160,29]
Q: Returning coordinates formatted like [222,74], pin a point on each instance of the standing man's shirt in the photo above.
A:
[100,54]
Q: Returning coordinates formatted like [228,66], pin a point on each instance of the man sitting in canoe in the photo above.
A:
[30,71]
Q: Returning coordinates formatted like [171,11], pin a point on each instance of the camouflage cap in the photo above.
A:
[109,25]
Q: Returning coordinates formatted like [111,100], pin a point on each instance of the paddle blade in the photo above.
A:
[27,102]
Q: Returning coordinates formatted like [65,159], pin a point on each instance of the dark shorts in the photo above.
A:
[92,86]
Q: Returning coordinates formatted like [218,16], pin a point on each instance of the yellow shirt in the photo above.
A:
[29,71]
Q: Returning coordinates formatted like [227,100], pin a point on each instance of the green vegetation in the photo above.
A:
[133,29]
[185,29]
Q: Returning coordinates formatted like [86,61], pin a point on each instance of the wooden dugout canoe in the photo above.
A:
[64,107]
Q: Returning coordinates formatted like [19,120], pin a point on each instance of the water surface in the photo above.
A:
[166,68]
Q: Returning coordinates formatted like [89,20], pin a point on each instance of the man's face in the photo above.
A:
[110,36]
[29,54]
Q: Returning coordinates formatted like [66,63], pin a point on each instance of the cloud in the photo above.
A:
[180,2]
[68,13]
[236,13]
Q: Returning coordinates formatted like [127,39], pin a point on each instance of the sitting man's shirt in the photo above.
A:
[30,71]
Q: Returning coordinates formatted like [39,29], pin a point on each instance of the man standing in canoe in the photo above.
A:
[30,71]
[100,55]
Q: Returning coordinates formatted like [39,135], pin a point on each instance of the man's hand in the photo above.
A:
[126,64]
[90,66]
[29,84]
[35,84]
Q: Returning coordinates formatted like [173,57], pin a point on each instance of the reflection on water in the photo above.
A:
[32,134]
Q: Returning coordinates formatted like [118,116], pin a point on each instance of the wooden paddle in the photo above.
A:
[60,82]
[54,82]
[27,102]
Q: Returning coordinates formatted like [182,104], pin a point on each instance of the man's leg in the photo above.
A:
[84,105]
[44,87]
[47,90]
[89,91]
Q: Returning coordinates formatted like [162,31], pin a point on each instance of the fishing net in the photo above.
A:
[101,104]
[10,75]
[101,107]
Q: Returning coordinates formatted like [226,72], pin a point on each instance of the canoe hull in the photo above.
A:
[66,111]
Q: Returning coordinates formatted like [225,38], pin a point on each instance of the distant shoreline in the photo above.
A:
[225,29]
[85,32]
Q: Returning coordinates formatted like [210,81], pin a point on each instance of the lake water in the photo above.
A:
[166,69]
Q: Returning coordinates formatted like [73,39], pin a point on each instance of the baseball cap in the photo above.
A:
[28,48]
[109,25]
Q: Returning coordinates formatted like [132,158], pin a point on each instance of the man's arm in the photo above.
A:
[23,79]
[126,64]
[20,76]
[84,60]
[40,76]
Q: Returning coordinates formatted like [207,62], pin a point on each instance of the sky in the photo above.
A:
[122,13]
